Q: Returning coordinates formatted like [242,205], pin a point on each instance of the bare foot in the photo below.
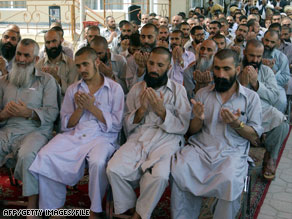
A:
[136,216]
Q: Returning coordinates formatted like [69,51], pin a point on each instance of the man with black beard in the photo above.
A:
[279,63]
[239,42]
[261,79]
[198,36]
[185,28]
[112,65]
[9,42]
[121,43]
[29,107]
[57,63]
[163,36]
[157,116]
[226,118]
[148,39]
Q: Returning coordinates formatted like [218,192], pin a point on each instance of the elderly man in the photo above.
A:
[121,44]
[157,117]
[111,31]
[91,32]
[29,108]
[261,79]
[9,41]
[279,63]
[202,74]
[112,65]
[175,21]
[56,63]
[226,118]
[163,21]
[91,117]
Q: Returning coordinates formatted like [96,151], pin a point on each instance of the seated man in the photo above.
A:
[28,100]
[90,33]
[261,79]
[157,117]
[57,63]
[227,117]
[91,117]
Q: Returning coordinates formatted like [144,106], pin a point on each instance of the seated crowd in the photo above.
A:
[142,106]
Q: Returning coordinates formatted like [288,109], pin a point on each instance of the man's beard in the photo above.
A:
[147,47]
[155,82]
[268,52]
[256,65]
[104,59]
[230,25]
[21,76]
[223,84]
[198,41]
[239,38]
[54,52]
[287,40]
[164,38]
[204,64]
[8,51]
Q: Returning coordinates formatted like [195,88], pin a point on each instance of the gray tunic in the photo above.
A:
[214,164]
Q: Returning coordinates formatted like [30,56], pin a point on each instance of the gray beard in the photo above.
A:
[204,64]
[21,77]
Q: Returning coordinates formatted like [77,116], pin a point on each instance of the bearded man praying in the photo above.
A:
[157,117]
[28,102]
[57,63]
[226,117]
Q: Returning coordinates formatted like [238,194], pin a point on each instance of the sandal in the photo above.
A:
[269,169]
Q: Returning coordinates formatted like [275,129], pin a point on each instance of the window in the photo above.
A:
[109,4]
[13,4]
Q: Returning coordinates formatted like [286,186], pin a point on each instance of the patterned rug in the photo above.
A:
[78,198]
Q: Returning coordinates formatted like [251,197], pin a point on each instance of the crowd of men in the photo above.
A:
[175,100]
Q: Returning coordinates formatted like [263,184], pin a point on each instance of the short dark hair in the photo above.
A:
[148,25]
[58,29]
[99,40]
[122,23]
[87,50]
[94,28]
[178,31]
[135,40]
[217,23]
[251,22]
[181,24]
[241,25]
[242,17]
[275,25]
[219,36]
[162,50]
[195,28]
[227,53]
[272,32]
[254,42]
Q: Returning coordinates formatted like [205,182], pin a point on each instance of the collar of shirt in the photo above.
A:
[81,83]
[63,58]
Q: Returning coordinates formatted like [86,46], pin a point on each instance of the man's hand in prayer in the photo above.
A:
[202,77]
[177,53]
[3,65]
[87,101]
[253,76]
[229,117]
[52,71]
[18,109]
[143,98]
[244,77]
[269,62]
[107,70]
[141,58]
[198,109]
[77,99]
[156,102]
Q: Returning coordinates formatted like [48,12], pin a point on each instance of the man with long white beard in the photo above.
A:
[202,74]
[28,100]
[279,63]
[157,117]
[57,63]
